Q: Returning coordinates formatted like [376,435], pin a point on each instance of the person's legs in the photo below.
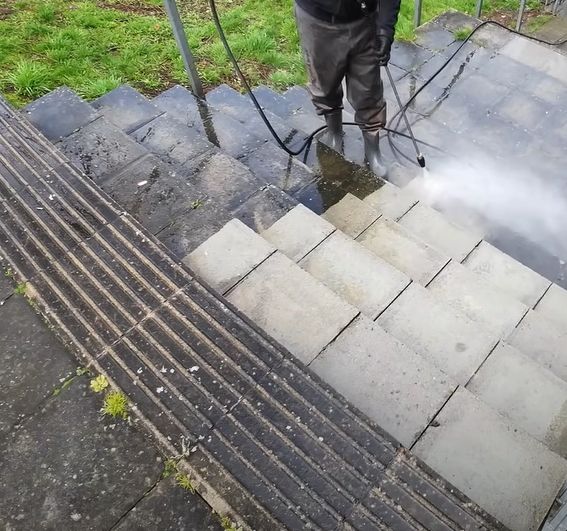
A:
[325,51]
[365,90]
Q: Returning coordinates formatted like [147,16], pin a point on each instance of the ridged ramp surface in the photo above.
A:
[265,440]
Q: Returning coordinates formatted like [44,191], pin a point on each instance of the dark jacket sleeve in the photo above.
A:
[388,11]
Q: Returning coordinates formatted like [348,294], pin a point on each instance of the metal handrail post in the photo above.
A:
[183,45]
[478,8]
[520,15]
[417,13]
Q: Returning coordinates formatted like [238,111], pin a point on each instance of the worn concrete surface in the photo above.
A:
[351,215]
[553,305]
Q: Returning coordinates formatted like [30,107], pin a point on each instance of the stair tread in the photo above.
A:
[126,108]
[275,297]
[531,396]
[351,216]
[383,378]
[507,274]
[553,305]
[444,337]
[492,308]
[396,245]
[273,101]
[495,464]
[181,104]
[390,201]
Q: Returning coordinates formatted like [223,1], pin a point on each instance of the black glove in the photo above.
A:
[384,46]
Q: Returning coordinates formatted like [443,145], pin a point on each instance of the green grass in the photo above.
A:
[93,46]
[461,34]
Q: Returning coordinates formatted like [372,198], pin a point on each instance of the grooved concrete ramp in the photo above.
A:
[268,442]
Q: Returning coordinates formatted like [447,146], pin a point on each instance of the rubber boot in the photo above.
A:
[335,135]
[372,153]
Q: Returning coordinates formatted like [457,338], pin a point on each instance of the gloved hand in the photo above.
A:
[385,42]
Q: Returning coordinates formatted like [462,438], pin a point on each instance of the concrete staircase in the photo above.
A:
[455,348]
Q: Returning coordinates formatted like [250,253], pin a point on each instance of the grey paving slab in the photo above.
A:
[435,229]
[390,201]
[59,113]
[351,215]
[397,246]
[553,306]
[264,208]
[507,472]
[152,191]
[272,165]
[225,180]
[126,108]
[68,468]
[168,507]
[539,338]
[229,255]
[167,137]
[383,378]
[532,397]
[524,110]
[355,274]
[471,295]
[299,98]
[434,36]
[290,305]
[6,283]
[273,101]
[180,104]
[100,149]
[408,56]
[503,272]
[32,362]
[445,338]
[492,37]
[298,232]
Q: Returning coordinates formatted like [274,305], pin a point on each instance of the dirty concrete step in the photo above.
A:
[538,337]
[290,305]
[273,101]
[435,229]
[532,397]
[397,246]
[219,128]
[386,380]
[390,201]
[343,265]
[500,467]
[469,294]
[508,275]
[351,216]
[444,337]
[554,306]
[59,113]
[126,108]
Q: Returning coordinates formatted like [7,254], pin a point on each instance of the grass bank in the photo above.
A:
[94,45]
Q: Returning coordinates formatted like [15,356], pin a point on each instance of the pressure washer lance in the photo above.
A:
[420,157]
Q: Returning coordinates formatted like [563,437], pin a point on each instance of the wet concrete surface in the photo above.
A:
[64,465]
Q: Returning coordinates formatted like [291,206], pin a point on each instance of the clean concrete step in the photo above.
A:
[386,380]
[351,215]
[554,306]
[508,275]
[390,201]
[532,397]
[435,229]
[292,307]
[503,469]
[539,338]
[394,244]
[469,294]
[342,264]
[444,337]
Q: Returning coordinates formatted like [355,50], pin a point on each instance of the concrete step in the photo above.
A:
[444,337]
[530,396]
[538,337]
[351,216]
[500,467]
[273,101]
[507,274]
[553,306]
[390,201]
[469,294]
[342,264]
[126,108]
[394,244]
[386,380]
[435,229]
[292,307]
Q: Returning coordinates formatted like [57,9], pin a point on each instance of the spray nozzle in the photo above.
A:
[421,160]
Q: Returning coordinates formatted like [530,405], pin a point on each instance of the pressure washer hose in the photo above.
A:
[403,108]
